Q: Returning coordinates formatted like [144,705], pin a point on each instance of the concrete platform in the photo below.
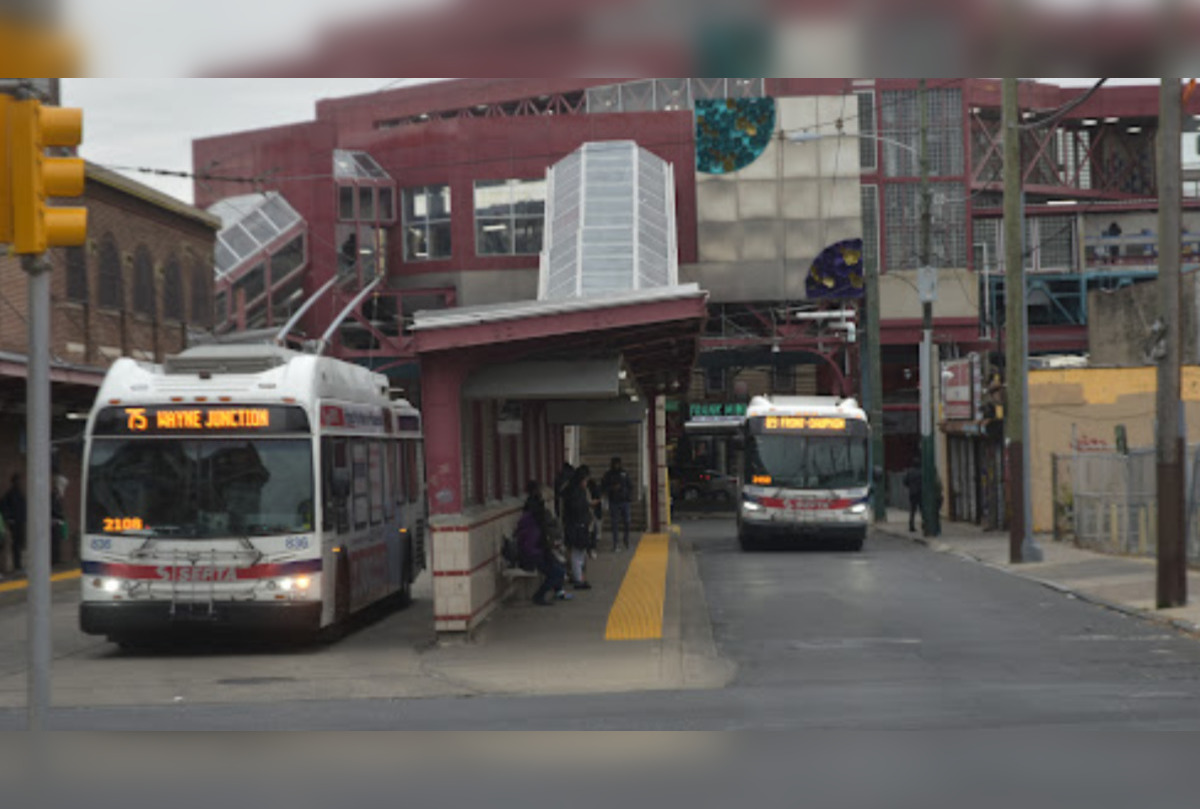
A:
[522,650]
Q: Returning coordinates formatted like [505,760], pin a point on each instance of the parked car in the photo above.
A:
[696,486]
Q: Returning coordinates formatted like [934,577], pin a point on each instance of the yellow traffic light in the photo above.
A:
[35,177]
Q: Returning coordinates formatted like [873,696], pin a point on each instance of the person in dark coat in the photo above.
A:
[560,487]
[12,505]
[536,552]
[577,523]
[618,488]
[913,481]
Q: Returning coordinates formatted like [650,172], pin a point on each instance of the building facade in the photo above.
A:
[138,288]
[439,192]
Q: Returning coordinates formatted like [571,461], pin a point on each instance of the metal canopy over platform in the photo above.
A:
[656,332]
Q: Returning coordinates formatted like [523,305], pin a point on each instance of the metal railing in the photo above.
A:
[1112,503]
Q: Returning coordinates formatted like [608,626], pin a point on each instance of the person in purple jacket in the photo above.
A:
[535,551]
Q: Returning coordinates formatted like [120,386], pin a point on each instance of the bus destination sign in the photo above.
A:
[802,423]
[200,420]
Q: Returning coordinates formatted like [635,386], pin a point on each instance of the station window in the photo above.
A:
[510,217]
[253,283]
[427,223]
[387,205]
[366,204]
[346,203]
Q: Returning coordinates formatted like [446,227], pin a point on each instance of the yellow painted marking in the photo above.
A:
[14,586]
[638,611]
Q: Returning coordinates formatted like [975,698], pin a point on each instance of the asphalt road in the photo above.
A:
[898,637]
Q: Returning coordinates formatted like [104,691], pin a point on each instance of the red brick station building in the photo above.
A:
[578,267]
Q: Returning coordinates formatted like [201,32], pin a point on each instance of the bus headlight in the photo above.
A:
[750,507]
[287,585]
[111,586]
[859,510]
[303,583]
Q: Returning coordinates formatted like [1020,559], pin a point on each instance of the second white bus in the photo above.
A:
[807,472]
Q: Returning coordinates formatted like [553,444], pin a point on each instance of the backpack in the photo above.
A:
[511,552]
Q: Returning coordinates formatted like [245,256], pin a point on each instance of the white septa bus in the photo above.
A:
[248,487]
[807,471]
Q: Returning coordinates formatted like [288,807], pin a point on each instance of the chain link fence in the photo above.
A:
[1108,502]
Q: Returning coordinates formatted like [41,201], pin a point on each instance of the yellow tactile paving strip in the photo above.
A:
[638,611]
[15,586]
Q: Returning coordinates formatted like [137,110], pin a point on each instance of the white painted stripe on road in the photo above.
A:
[842,644]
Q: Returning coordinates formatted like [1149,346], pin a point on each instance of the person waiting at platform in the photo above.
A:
[577,524]
[618,488]
[536,551]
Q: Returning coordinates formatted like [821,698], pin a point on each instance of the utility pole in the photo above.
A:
[874,351]
[930,517]
[1170,438]
[1016,417]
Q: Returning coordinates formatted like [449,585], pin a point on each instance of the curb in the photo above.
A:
[19,594]
[1186,627]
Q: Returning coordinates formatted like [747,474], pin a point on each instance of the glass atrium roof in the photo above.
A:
[356,166]
[610,223]
[251,223]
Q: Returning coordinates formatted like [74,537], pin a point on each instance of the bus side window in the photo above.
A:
[376,491]
[399,483]
[362,500]
[335,466]
[389,480]
[410,471]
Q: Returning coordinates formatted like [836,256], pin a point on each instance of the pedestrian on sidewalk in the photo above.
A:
[618,488]
[12,506]
[913,481]
[577,522]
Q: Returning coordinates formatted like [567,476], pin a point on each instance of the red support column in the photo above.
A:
[480,454]
[654,523]
[497,451]
[442,382]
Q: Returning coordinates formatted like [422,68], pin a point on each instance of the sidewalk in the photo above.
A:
[1125,584]
[14,587]
[526,649]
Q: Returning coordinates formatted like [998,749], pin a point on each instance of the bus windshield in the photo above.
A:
[198,489]
[795,461]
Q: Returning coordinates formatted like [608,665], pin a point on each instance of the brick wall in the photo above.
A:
[85,333]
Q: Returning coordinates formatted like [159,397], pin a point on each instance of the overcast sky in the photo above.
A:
[151,122]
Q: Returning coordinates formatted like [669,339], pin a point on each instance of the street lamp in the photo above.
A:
[928,291]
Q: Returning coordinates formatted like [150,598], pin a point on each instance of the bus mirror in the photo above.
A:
[880,474]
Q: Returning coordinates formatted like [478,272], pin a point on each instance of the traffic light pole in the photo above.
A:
[37,488]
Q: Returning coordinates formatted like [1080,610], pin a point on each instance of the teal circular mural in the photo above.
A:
[731,133]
